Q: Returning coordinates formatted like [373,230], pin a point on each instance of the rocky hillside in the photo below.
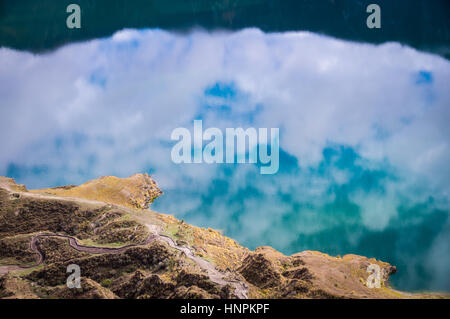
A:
[125,250]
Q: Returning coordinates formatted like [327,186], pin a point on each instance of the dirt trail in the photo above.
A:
[74,244]
[6,186]
[214,274]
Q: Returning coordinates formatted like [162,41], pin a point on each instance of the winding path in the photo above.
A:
[73,242]
[214,275]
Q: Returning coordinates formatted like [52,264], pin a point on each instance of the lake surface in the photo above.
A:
[364,153]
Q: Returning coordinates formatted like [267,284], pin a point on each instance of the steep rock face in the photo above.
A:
[311,274]
[259,271]
[125,251]
[89,290]
[13,287]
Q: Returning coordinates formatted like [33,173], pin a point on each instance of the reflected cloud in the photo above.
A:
[363,135]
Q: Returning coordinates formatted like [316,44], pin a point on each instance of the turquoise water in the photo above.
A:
[297,218]
[363,136]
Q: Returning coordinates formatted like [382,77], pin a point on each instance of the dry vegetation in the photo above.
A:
[110,212]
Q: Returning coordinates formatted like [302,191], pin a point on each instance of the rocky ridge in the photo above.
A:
[125,250]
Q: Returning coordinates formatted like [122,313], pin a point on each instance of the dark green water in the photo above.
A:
[40,25]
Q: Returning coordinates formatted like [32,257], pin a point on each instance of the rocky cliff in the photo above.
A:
[125,250]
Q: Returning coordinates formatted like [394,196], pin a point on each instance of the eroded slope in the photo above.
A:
[126,251]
